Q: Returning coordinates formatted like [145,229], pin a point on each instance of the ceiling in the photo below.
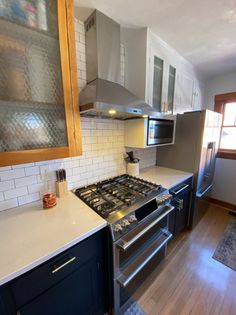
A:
[203,31]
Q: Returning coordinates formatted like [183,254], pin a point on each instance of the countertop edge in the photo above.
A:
[183,179]
[44,259]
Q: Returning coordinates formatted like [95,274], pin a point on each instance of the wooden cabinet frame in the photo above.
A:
[220,101]
[71,99]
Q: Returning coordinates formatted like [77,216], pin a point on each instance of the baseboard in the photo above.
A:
[223,204]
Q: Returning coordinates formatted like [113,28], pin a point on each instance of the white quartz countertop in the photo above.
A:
[30,235]
[167,177]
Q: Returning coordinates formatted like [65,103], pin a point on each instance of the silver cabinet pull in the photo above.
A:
[124,245]
[181,189]
[63,265]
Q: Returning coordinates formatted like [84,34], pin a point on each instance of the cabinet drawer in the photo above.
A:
[182,187]
[50,273]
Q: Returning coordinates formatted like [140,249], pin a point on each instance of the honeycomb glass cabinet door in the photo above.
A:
[36,102]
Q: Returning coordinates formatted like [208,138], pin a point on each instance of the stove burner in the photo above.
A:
[116,193]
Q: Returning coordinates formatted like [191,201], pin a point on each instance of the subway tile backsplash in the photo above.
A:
[103,153]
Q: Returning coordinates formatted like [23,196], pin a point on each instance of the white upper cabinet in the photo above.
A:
[162,80]
[157,81]
[171,92]
[184,93]
[157,74]
[197,101]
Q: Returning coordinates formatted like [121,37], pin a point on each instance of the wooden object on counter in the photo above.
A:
[61,183]
[61,189]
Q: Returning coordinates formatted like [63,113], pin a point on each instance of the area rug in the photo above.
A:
[226,249]
[134,309]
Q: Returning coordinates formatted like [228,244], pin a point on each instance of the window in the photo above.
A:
[226,105]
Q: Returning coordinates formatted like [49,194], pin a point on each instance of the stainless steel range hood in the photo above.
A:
[104,96]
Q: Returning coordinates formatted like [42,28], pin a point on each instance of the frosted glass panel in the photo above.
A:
[35,14]
[171,88]
[31,92]
[26,126]
[157,83]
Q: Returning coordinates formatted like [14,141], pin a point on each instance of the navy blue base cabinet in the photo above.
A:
[72,283]
[178,219]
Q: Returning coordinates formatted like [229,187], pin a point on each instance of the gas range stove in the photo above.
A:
[117,200]
[137,212]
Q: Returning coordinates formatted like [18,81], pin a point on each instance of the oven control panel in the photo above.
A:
[163,199]
[127,223]
[124,225]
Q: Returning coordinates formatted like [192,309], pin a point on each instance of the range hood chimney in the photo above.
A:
[104,96]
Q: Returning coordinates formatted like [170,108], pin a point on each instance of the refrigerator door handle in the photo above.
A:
[210,164]
[201,193]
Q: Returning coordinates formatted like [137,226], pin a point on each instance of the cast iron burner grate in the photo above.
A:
[116,193]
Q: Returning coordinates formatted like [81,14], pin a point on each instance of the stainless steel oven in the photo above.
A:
[160,131]
[138,252]
[137,212]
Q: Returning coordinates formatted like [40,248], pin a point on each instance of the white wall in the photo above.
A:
[225,173]
[103,153]
[219,85]
[224,187]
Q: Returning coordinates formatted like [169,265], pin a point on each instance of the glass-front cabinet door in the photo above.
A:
[171,89]
[39,115]
[156,82]
[162,80]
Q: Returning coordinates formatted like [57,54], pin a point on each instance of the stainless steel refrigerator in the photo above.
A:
[196,143]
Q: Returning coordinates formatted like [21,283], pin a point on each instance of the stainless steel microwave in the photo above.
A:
[160,131]
[147,132]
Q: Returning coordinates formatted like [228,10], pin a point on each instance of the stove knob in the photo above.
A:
[132,218]
[125,223]
[118,228]
[167,198]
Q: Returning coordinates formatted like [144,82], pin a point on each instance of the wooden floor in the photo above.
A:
[189,280]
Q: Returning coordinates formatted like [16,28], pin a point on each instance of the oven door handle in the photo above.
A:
[124,245]
[124,280]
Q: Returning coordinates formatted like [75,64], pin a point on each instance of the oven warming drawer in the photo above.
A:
[128,273]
